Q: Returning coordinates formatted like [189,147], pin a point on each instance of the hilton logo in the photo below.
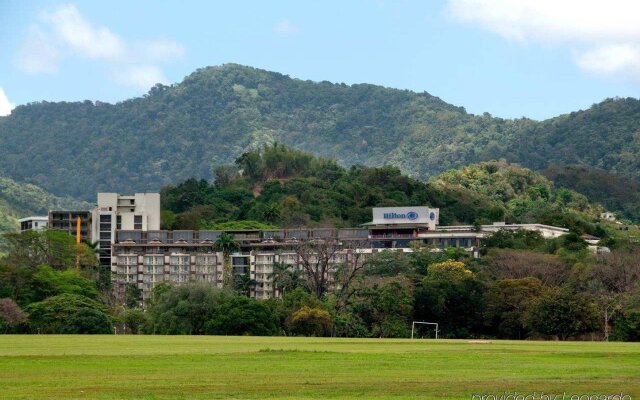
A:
[411,215]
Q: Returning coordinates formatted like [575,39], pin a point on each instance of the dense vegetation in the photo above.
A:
[615,192]
[523,286]
[217,113]
[280,186]
[19,200]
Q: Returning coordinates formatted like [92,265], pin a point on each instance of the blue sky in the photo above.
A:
[510,58]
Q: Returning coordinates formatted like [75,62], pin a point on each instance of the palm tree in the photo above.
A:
[227,244]
[285,277]
[243,283]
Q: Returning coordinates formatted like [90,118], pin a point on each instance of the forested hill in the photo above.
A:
[278,186]
[217,113]
[19,200]
[617,193]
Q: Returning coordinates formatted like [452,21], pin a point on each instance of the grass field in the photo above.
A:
[201,367]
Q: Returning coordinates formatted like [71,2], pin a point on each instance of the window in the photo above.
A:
[137,222]
[180,260]
[153,260]
[105,218]
[105,235]
[206,260]
[127,260]
[119,222]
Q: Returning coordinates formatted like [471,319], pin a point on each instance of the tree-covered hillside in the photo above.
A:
[279,186]
[21,200]
[217,113]
[615,192]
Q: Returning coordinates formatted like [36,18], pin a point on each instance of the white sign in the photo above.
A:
[405,215]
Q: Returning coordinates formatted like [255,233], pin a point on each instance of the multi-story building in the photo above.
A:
[33,223]
[64,220]
[191,256]
[116,212]
[148,258]
[145,259]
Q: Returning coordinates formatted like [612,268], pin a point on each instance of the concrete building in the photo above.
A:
[33,223]
[148,262]
[65,220]
[148,258]
[115,212]
[608,216]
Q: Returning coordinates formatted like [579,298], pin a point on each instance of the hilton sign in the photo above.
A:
[405,215]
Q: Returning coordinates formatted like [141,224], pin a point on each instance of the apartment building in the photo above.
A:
[33,223]
[146,259]
[65,220]
[131,244]
[115,212]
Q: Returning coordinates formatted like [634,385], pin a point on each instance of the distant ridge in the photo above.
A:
[216,113]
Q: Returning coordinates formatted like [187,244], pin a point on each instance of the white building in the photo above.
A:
[147,258]
[608,216]
[140,212]
[33,223]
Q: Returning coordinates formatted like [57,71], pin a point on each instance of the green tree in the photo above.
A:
[564,314]
[87,321]
[134,320]
[239,315]
[243,284]
[68,313]
[309,321]
[48,282]
[387,308]
[227,245]
[507,304]
[11,315]
[49,247]
[132,295]
[184,310]
[450,295]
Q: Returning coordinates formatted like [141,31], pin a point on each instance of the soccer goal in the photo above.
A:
[422,323]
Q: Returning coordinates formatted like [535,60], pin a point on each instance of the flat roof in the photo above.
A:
[33,218]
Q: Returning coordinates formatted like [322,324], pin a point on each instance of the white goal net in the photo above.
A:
[424,330]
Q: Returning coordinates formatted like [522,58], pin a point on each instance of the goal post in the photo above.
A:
[413,326]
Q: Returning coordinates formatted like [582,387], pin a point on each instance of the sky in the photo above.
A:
[524,58]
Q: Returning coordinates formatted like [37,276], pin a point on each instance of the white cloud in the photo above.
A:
[162,49]
[5,105]
[38,54]
[63,33]
[604,35]
[623,58]
[143,76]
[285,28]
[77,33]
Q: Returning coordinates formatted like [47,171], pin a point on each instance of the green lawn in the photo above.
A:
[206,367]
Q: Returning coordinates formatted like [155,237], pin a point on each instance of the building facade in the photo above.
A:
[115,212]
[33,223]
[64,220]
[131,244]
[148,258]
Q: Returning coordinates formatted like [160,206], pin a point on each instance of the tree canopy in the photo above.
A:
[216,113]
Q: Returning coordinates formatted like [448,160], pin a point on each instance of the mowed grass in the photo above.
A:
[210,367]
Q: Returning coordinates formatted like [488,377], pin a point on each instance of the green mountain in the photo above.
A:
[217,113]
[615,192]
[279,186]
[19,200]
